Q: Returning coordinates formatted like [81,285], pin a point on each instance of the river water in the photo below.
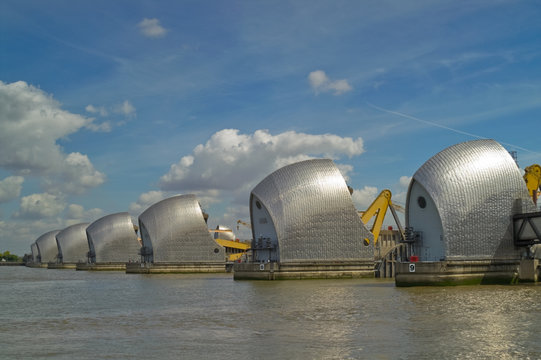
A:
[68,314]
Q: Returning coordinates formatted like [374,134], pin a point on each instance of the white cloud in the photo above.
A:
[126,108]
[151,28]
[76,213]
[224,170]
[362,198]
[81,173]
[318,79]
[96,110]
[145,200]
[38,206]
[405,181]
[345,170]
[103,127]
[340,86]
[321,83]
[31,123]
[10,188]
[75,175]
[235,162]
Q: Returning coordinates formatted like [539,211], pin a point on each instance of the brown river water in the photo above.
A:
[68,314]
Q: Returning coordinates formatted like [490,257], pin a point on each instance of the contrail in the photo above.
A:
[445,127]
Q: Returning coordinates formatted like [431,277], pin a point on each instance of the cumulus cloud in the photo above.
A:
[80,172]
[232,161]
[405,181]
[76,213]
[401,192]
[38,206]
[223,171]
[152,28]
[126,108]
[31,123]
[206,198]
[10,188]
[362,198]
[145,200]
[75,175]
[321,83]
[97,110]
[103,127]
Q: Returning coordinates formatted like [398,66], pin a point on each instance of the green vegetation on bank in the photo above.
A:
[7,256]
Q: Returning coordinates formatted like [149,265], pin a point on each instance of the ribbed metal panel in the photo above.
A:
[35,252]
[112,239]
[312,213]
[47,247]
[175,231]
[224,233]
[476,187]
[73,244]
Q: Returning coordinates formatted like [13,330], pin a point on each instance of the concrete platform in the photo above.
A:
[315,270]
[36,265]
[445,273]
[172,268]
[101,267]
[72,266]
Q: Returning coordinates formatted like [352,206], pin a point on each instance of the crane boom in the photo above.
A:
[532,176]
[378,209]
[243,223]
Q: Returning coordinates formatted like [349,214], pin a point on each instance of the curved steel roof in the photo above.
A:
[47,247]
[112,238]
[176,231]
[476,187]
[35,252]
[313,213]
[73,243]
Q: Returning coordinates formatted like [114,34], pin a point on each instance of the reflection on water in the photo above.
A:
[66,314]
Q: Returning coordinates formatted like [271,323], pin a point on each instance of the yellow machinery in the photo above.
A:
[378,208]
[532,176]
[234,249]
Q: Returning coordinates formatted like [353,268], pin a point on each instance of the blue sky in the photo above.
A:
[109,106]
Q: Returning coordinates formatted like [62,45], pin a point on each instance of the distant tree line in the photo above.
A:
[7,256]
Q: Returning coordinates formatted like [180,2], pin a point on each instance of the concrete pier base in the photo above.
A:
[315,270]
[455,272]
[101,267]
[37,265]
[529,270]
[170,268]
[62,266]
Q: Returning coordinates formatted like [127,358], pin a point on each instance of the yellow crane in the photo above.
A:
[240,222]
[378,209]
[532,176]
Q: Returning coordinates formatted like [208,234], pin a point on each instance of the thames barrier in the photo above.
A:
[470,218]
